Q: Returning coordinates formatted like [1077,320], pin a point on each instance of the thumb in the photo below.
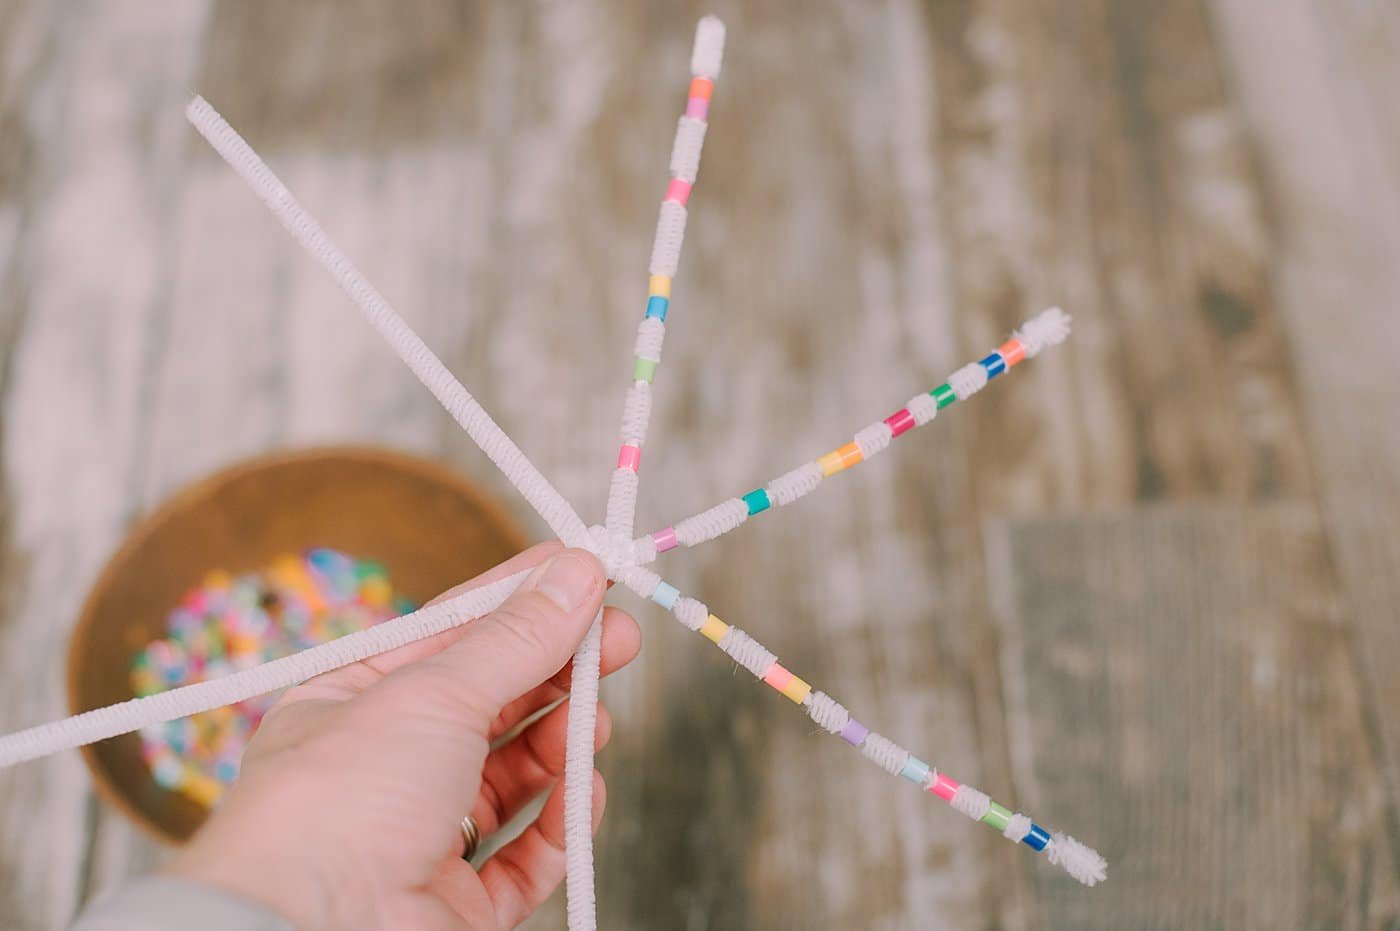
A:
[519,645]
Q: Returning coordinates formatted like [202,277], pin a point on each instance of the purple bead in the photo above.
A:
[854,733]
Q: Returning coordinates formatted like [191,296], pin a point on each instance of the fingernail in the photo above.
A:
[568,580]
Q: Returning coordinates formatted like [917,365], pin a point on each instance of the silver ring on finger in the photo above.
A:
[471,834]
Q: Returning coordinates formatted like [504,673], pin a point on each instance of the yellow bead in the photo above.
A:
[796,689]
[659,286]
[831,463]
[714,628]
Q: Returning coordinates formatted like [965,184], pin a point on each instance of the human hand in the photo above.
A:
[347,811]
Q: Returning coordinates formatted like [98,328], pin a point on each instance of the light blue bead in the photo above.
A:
[915,770]
[665,595]
[656,307]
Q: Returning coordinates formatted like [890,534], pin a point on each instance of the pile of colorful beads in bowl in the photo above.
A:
[229,623]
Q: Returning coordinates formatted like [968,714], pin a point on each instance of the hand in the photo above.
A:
[347,811]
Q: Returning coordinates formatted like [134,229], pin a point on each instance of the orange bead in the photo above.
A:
[1012,351]
[702,88]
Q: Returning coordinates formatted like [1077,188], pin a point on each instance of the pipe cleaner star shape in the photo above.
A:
[625,557]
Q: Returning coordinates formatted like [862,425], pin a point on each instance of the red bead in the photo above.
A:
[900,421]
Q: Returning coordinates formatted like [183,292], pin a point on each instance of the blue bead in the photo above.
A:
[665,595]
[994,364]
[656,307]
[757,500]
[915,770]
[1037,838]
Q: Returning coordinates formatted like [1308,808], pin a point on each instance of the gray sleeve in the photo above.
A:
[163,903]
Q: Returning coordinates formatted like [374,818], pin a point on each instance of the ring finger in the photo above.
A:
[520,771]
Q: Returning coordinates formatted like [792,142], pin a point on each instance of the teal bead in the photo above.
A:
[757,500]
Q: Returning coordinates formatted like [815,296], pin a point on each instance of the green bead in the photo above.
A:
[643,370]
[943,395]
[997,817]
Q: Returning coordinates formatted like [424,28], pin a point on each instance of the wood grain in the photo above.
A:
[887,188]
[1329,140]
[1181,687]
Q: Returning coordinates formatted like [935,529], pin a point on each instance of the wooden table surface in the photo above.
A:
[1144,587]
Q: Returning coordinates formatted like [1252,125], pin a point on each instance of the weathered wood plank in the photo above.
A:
[1320,100]
[1181,688]
[1095,161]
[100,112]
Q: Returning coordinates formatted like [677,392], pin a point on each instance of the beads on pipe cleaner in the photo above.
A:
[614,542]
[1045,329]
[900,421]
[915,770]
[678,190]
[665,539]
[629,457]
[757,501]
[997,816]
[665,258]
[714,629]
[665,595]
[994,364]
[1079,860]
[943,786]
[784,681]
[841,458]
[1012,351]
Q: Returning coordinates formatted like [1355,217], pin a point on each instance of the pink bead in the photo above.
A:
[665,539]
[678,190]
[697,108]
[629,458]
[944,787]
[900,421]
[777,676]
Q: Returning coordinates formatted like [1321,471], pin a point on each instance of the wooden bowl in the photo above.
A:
[429,527]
